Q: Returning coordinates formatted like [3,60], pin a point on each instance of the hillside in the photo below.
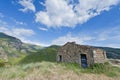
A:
[45,54]
[31,62]
[13,47]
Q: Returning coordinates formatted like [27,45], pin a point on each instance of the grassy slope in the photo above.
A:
[46,54]
[58,71]
[42,66]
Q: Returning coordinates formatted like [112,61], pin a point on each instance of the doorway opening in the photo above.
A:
[60,58]
[83,60]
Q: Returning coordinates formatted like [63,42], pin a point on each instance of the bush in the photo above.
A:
[2,63]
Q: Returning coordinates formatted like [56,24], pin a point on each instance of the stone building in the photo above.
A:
[81,54]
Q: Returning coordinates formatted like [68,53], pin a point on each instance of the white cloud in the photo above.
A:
[87,9]
[43,29]
[111,34]
[21,23]
[63,13]
[3,29]
[23,32]
[41,3]
[20,33]
[17,22]
[36,43]
[58,13]
[109,37]
[28,5]
[70,38]
[113,45]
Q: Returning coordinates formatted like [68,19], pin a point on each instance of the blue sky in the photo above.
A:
[48,22]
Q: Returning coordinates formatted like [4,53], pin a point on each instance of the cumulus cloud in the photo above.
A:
[67,13]
[70,38]
[28,5]
[58,13]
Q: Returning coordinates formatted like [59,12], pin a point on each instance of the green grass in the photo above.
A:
[47,54]
[23,70]
[45,68]
[2,63]
[98,68]
[43,63]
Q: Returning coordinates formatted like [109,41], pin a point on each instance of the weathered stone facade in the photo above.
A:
[81,54]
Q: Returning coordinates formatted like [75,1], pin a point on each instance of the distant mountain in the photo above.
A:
[13,47]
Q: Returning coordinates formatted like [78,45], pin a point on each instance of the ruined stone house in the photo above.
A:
[81,54]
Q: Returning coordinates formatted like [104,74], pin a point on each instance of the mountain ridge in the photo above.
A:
[14,47]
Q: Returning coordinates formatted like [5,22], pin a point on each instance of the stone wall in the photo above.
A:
[99,56]
[71,52]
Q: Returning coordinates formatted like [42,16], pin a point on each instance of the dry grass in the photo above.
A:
[48,71]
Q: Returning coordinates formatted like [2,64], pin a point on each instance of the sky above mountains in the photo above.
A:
[48,22]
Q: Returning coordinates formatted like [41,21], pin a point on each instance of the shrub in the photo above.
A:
[2,63]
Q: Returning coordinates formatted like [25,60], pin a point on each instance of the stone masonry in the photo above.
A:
[81,54]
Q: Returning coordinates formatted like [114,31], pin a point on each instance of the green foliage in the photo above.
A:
[2,63]
[105,68]
[47,54]
[71,66]
[15,60]
[97,68]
